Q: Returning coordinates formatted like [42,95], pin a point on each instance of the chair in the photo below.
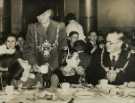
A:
[3,72]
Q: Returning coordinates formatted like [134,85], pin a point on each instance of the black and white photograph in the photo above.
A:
[67,51]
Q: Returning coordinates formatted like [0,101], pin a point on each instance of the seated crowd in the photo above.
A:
[47,60]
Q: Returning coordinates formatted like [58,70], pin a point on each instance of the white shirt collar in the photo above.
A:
[116,55]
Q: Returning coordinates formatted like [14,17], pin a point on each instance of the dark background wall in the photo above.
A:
[71,6]
[32,8]
[118,14]
[7,16]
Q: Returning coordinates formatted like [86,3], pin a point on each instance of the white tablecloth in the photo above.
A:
[28,97]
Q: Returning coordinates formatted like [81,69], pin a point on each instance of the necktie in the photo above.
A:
[113,61]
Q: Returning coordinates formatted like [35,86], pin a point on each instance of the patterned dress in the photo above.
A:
[37,36]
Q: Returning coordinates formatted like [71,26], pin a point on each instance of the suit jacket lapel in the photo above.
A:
[106,59]
[122,59]
[119,63]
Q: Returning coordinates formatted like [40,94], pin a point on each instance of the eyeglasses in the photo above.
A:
[112,43]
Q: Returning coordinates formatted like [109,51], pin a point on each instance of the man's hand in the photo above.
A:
[131,84]
[111,75]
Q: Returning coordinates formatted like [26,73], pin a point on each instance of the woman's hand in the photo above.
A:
[24,64]
[68,71]
[5,50]
[44,69]
[80,70]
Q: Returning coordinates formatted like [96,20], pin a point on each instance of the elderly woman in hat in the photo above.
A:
[74,25]
[44,41]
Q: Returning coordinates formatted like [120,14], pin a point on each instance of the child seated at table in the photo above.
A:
[8,59]
[34,77]
[17,69]
[69,72]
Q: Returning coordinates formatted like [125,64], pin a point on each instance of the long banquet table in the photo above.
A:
[72,95]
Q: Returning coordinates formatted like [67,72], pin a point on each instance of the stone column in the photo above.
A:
[71,6]
[16,15]
[1,14]
[88,14]
[1,17]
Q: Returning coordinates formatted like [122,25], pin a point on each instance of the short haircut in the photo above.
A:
[20,34]
[114,31]
[118,32]
[91,32]
[11,35]
[72,33]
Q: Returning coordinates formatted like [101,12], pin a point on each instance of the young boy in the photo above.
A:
[8,59]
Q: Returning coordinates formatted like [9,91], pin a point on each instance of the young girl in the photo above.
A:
[68,72]
[8,59]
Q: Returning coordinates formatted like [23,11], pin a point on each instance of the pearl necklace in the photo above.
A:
[111,74]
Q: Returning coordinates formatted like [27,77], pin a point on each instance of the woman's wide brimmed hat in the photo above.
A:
[79,46]
[45,15]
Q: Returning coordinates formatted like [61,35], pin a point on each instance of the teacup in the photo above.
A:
[65,85]
[9,89]
[103,82]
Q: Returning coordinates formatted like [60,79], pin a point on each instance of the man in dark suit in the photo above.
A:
[94,71]
[91,41]
[117,60]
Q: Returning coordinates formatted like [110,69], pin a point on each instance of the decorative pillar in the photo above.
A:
[1,15]
[88,14]
[16,16]
[1,20]
[6,17]
[71,6]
